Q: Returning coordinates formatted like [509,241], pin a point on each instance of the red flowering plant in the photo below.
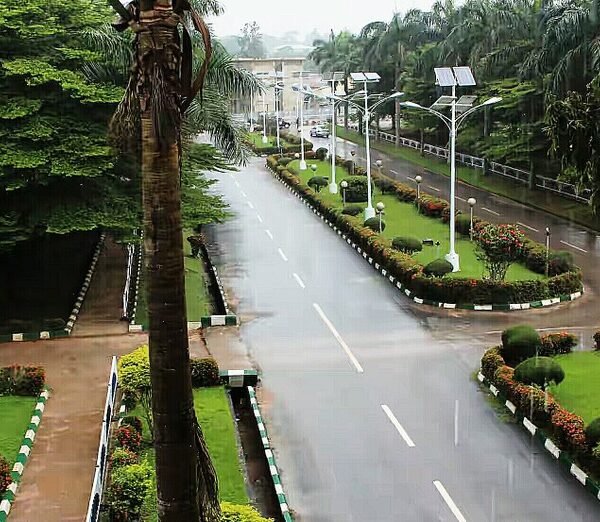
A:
[128,438]
[498,247]
[5,478]
[569,430]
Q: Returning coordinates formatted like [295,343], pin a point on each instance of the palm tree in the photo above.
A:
[163,84]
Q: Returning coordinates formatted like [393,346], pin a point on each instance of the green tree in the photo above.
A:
[498,247]
[251,43]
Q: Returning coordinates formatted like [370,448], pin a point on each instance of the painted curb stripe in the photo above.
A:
[482,308]
[23,456]
[283,504]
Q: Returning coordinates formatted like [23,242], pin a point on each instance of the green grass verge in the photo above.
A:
[15,414]
[402,219]
[547,201]
[214,415]
[256,139]
[578,392]
[197,296]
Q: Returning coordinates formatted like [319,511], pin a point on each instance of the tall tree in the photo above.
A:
[160,90]
[251,43]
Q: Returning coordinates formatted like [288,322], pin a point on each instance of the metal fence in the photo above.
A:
[100,470]
[567,190]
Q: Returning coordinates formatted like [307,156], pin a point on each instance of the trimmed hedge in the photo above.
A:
[592,431]
[408,245]
[557,343]
[438,268]
[540,371]
[409,272]
[373,223]
[520,342]
[352,210]
[205,372]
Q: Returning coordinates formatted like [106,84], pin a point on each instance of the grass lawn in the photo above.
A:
[15,413]
[198,302]
[256,139]
[197,296]
[547,201]
[580,391]
[402,219]
[215,417]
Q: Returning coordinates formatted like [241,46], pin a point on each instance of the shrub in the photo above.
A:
[321,153]
[520,343]
[317,183]
[374,223]
[129,487]
[385,185]
[596,452]
[462,224]
[22,380]
[205,372]
[128,438]
[357,189]
[134,379]
[5,477]
[569,431]
[284,161]
[539,370]
[408,245]
[596,338]
[491,361]
[352,210]
[560,262]
[498,247]
[557,343]
[438,268]
[592,432]
[240,513]
[123,457]
[133,421]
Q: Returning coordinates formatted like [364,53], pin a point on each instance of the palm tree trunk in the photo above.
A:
[397,105]
[158,56]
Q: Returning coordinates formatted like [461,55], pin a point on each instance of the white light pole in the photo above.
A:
[251,111]
[333,78]
[365,78]
[344,185]
[277,115]
[418,181]
[264,137]
[302,161]
[472,202]
[547,251]
[380,207]
[450,77]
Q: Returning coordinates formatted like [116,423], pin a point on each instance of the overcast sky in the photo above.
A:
[280,16]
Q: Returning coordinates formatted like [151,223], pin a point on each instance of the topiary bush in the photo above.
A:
[438,268]
[129,487]
[519,343]
[205,372]
[352,210]
[357,189]
[592,432]
[317,183]
[284,161]
[5,477]
[239,513]
[540,371]
[385,185]
[373,224]
[407,244]
[321,153]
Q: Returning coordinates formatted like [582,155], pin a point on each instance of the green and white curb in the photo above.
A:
[559,455]
[239,378]
[23,456]
[283,504]
[504,307]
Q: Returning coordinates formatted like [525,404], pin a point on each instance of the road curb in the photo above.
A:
[23,456]
[504,307]
[558,454]
[66,331]
[281,497]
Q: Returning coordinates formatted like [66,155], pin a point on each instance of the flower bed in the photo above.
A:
[289,144]
[409,273]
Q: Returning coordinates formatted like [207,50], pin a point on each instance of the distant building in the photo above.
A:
[287,71]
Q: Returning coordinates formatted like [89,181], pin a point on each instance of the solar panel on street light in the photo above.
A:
[372,77]
[444,76]
[443,101]
[327,76]
[358,77]
[338,76]
[464,76]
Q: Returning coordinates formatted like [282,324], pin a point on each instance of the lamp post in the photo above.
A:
[418,181]
[379,164]
[276,95]
[451,77]
[472,202]
[332,78]
[344,185]
[379,209]
[264,137]
[547,250]
[251,111]
[302,161]
[365,78]
[353,153]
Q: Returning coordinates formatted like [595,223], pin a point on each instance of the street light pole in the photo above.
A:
[418,181]
[264,138]
[380,207]
[452,257]
[251,111]
[547,250]
[472,202]
[333,185]
[277,115]
[344,185]
[369,211]
[302,161]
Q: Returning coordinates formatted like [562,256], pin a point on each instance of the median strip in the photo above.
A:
[338,337]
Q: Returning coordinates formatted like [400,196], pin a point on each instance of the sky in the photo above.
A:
[277,17]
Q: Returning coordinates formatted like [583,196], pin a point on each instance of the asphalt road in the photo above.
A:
[373,411]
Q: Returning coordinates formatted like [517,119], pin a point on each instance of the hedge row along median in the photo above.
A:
[289,144]
[408,273]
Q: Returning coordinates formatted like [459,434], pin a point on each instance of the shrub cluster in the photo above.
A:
[205,372]
[438,268]
[22,380]
[5,478]
[410,273]
[519,343]
[317,183]
[374,224]
[408,245]
[540,371]
[129,487]
[128,438]
[321,153]
[240,513]
[352,210]
[557,343]
[357,189]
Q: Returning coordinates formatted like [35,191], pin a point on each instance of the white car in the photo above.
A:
[319,131]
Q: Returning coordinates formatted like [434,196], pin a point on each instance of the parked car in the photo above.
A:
[284,124]
[319,131]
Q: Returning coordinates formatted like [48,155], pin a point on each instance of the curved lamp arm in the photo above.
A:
[445,119]
[491,101]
